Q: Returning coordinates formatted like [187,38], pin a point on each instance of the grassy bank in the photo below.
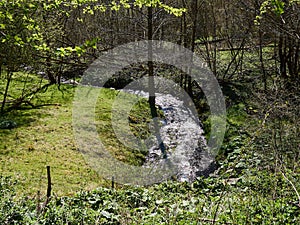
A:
[44,136]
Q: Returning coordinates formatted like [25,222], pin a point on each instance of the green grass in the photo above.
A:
[44,136]
[139,118]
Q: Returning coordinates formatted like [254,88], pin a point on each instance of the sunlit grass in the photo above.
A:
[44,136]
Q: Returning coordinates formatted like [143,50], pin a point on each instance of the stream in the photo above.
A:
[183,138]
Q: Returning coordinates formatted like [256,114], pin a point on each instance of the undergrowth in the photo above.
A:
[206,201]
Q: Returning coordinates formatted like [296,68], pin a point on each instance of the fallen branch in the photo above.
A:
[213,220]
[293,186]
[25,98]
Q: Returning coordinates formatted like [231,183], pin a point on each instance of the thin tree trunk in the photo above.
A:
[9,77]
[184,78]
[1,68]
[152,85]
[262,65]
[282,56]
[193,39]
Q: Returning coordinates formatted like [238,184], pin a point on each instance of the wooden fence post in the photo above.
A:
[49,182]
[113,182]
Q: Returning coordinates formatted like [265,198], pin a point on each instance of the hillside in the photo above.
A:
[246,189]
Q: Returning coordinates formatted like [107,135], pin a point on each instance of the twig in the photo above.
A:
[212,220]
[293,186]
[218,205]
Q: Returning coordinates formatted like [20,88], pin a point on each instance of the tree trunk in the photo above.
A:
[152,85]
[9,77]
[193,39]
[282,57]
[262,65]
[1,68]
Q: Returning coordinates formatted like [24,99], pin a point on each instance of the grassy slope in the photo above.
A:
[44,136]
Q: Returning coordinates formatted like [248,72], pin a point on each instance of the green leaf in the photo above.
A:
[9,16]
[101,7]
[115,6]
[106,214]
[278,6]
[125,4]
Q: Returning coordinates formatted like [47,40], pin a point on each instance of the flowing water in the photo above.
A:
[183,137]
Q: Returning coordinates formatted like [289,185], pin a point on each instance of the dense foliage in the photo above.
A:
[247,200]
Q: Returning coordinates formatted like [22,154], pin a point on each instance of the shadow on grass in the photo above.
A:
[23,117]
